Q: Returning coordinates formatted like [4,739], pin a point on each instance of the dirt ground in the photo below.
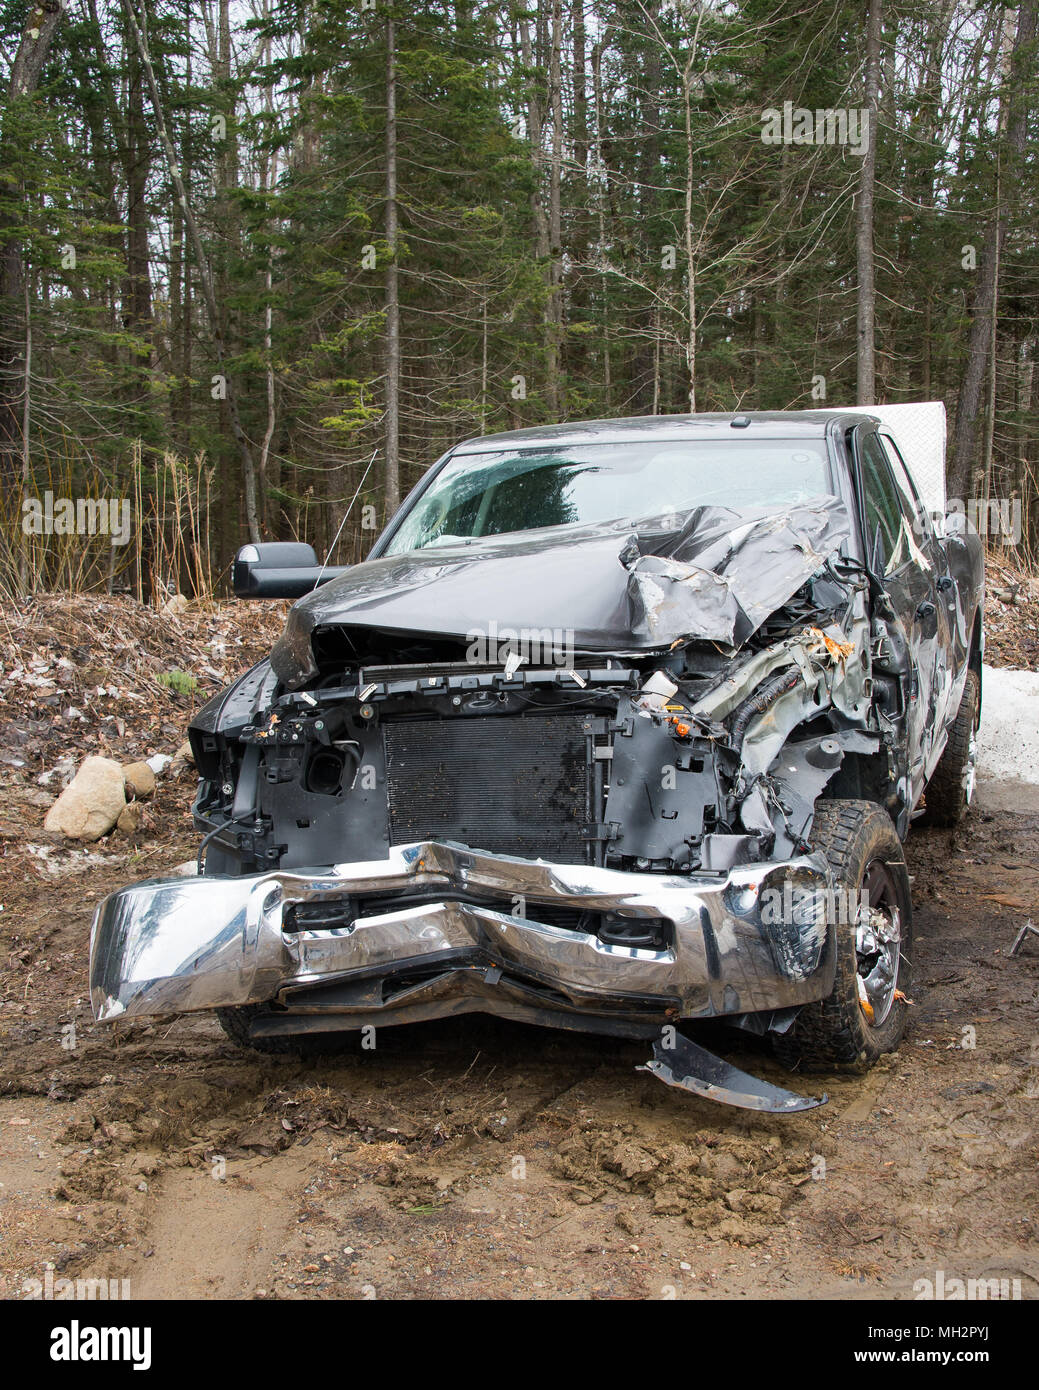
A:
[475,1159]
[472,1158]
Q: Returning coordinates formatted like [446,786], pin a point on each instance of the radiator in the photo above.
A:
[508,784]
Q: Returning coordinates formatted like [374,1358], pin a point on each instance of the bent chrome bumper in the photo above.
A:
[734,947]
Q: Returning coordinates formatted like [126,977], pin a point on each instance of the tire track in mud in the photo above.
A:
[476,1158]
[210,1227]
[206,1236]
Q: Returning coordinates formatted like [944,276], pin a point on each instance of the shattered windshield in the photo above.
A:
[495,494]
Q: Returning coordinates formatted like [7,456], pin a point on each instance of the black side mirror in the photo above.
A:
[279,569]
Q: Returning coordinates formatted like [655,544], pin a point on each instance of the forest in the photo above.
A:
[263,261]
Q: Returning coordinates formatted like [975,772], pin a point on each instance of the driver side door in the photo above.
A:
[907,575]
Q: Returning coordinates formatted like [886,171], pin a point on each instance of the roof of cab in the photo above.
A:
[765,424]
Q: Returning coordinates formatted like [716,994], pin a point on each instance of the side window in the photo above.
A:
[880,503]
[911,504]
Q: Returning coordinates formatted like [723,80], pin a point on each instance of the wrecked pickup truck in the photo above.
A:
[619,728]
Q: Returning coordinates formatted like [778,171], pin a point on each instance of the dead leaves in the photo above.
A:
[81,673]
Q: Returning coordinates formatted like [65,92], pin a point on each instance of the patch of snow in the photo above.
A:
[1008,740]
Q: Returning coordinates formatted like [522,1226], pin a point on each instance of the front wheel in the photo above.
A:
[865,1014]
[236,1021]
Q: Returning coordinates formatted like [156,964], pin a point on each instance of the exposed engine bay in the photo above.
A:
[666,762]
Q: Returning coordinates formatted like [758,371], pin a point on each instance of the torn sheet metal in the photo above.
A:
[714,575]
[719,581]
[679,1062]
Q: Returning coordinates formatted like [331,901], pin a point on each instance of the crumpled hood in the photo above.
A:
[711,574]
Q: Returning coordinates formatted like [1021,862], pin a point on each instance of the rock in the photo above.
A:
[182,759]
[130,818]
[140,781]
[159,762]
[91,804]
[174,606]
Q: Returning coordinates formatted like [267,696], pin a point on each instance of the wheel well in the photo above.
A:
[975,656]
[863,777]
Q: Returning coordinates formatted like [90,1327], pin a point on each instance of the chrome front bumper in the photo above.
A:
[176,945]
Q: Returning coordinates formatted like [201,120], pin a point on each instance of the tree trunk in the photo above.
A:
[867,298]
[601,201]
[555,393]
[392,488]
[580,88]
[206,278]
[690,253]
[979,344]
[40,27]
[23,573]
[542,237]
[137,162]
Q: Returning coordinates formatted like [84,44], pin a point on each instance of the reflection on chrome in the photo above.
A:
[182,944]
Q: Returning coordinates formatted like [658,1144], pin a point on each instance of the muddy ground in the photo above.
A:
[481,1160]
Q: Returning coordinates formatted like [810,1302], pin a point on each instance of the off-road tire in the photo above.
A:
[235,1023]
[834,1034]
[946,797]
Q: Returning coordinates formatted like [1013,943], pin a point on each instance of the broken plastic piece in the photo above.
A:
[693,1068]
[838,651]
[864,1004]
[655,695]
